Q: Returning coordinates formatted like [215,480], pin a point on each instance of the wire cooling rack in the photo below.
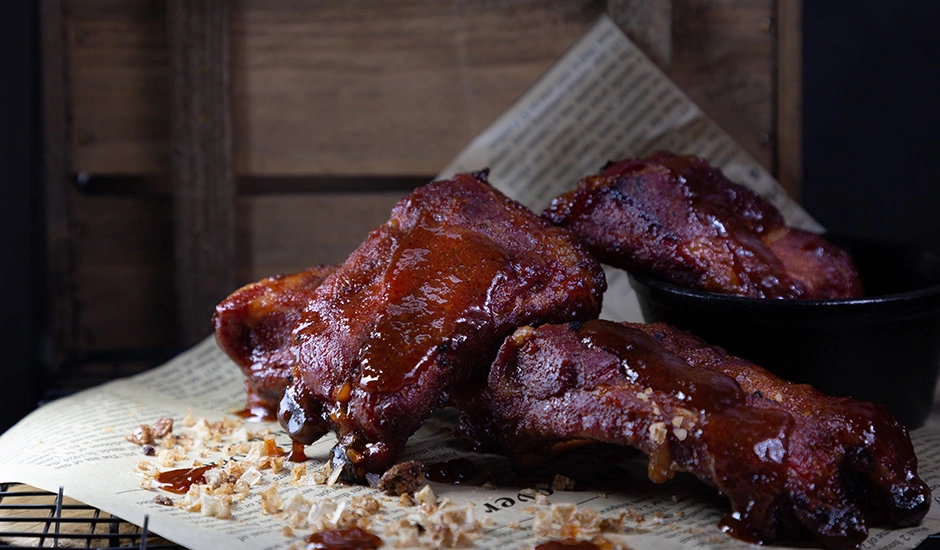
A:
[30,518]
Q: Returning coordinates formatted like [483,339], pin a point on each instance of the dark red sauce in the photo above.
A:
[454,471]
[353,538]
[297,453]
[435,308]
[179,481]
[648,364]
[568,544]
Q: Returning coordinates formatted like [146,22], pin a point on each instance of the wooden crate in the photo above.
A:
[191,147]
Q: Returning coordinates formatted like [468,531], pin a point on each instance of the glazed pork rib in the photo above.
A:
[416,314]
[790,459]
[677,219]
[253,327]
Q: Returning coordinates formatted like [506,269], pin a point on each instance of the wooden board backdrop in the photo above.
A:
[336,108]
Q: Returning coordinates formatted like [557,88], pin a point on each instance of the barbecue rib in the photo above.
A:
[253,327]
[420,309]
[790,459]
[677,219]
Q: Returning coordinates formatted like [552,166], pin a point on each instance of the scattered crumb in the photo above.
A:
[142,435]
[562,483]
[426,497]
[658,432]
[401,478]
[250,459]
[162,427]
[271,501]
[612,525]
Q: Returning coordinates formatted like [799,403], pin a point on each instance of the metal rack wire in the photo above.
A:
[32,518]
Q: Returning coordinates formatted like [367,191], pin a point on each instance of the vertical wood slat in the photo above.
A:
[56,199]
[790,96]
[648,23]
[202,172]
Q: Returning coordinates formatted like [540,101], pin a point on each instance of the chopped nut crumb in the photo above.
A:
[271,502]
[562,483]
[142,435]
[612,525]
[148,450]
[162,427]
[163,500]
[426,496]
[658,432]
[680,433]
[365,505]
[297,473]
[401,478]
[406,500]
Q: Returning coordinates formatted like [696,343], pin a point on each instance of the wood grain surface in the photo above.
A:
[201,167]
[336,92]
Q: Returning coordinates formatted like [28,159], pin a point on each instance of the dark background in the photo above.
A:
[20,239]
[870,147]
[871,118]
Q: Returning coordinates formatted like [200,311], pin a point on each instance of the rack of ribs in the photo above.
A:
[414,317]
[253,327]
[791,460]
[677,219]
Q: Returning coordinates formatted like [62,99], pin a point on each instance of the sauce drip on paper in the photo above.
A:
[353,538]
[179,481]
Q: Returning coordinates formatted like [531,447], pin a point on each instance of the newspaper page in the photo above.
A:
[602,100]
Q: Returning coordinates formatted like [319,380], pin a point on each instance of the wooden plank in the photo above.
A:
[648,23]
[723,57]
[290,232]
[119,86]
[790,96]
[56,200]
[124,272]
[331,87]
[124,252]
[202,171]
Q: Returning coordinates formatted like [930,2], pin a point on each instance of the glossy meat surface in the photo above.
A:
[678,219]
[791,460]
[253,327]
[416,314]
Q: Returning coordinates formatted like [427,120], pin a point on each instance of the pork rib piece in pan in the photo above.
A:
[416,314]
[791,460]
[253,327]
[677,219]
